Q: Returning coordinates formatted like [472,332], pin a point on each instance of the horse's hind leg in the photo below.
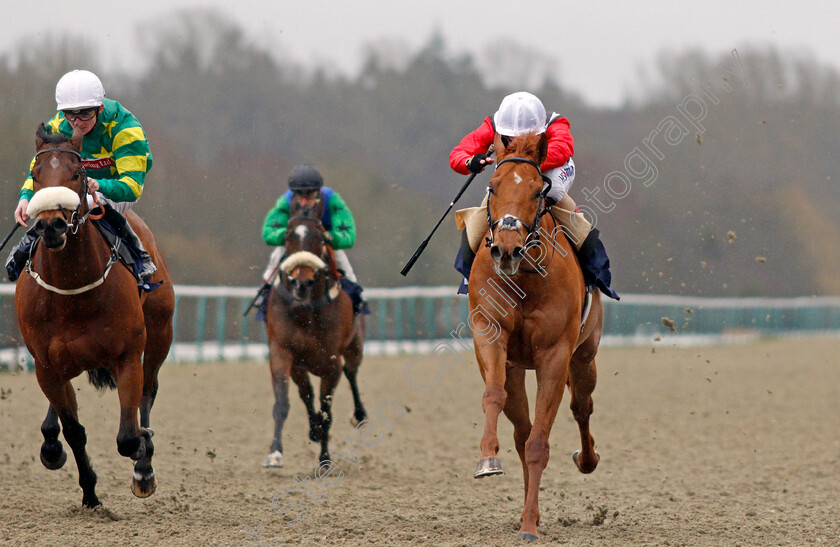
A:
[352,361]
[63,404]
[516,409]
[582,378]
[53,455]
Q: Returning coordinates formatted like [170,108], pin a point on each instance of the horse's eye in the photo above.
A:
[537,194]
[76,175]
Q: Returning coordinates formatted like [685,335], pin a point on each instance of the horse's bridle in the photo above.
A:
[76,220]
[510,222]
[284,292]
[73,226]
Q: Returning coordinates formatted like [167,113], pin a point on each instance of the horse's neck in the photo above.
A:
[83,257]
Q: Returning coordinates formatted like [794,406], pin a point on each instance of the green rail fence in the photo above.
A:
[209,325]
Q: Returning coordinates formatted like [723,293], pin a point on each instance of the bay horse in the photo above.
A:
[529,316]
[311,330]
[79,311]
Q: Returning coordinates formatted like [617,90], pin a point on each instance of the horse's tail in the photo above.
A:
[101,378]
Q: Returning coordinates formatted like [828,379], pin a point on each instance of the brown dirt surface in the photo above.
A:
[734,445]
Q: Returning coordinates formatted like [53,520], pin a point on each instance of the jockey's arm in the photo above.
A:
[132,159]
[476,142]
[561,145]
[343,232]
[274,227]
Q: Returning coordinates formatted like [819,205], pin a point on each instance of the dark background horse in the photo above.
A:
[105,329]
[311,330]
[526,301]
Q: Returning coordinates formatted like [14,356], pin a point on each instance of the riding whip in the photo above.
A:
[8,237]
[422,246]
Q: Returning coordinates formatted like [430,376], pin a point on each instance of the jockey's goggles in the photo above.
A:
[83,115]
[307,194]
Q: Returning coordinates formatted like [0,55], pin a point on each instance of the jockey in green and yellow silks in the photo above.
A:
[115,154]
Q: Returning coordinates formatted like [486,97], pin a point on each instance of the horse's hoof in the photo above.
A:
[575,459]
[92,503]
[355,421]
[57,464]
[143,487]
[275,459]
[488,466]
[527,536]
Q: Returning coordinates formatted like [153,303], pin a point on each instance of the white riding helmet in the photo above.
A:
[77,90]
[518,114]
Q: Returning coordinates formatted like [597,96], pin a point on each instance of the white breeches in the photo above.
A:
[120,206]
[341,262]
[561,180]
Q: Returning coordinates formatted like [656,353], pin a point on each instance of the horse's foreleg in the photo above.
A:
[53,455]
[307,395]
[552,373]
[63,404]
[491,361]
[281,365]
[516,409]
[133,441]
[328,383]
[582,379]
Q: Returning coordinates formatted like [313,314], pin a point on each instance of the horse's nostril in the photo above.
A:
[518,252]
[495,252]
[59,225]
[40,226]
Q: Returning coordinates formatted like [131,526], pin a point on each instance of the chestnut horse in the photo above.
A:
[529,316]
[79,311]
[311,329]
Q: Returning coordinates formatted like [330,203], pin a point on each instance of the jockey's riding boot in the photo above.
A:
[261,301]
[20,254]
[124,230]
[464,261]
[354,291]
[595,264]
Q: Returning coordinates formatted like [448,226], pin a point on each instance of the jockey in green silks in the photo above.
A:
[306,187]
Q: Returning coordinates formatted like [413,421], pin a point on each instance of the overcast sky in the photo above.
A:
[598,46]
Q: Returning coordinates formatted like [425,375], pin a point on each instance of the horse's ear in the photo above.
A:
[542,148]
[40,137]
[76,139]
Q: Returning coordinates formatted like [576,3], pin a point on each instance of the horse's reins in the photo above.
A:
[511,222]
[73,226]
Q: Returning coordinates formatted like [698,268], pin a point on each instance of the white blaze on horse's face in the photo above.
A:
[517,178]
[301,231]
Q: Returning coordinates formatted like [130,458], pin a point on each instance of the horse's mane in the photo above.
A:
[527,146]
[51,138]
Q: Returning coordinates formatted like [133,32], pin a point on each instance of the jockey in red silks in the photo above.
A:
[518,114]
